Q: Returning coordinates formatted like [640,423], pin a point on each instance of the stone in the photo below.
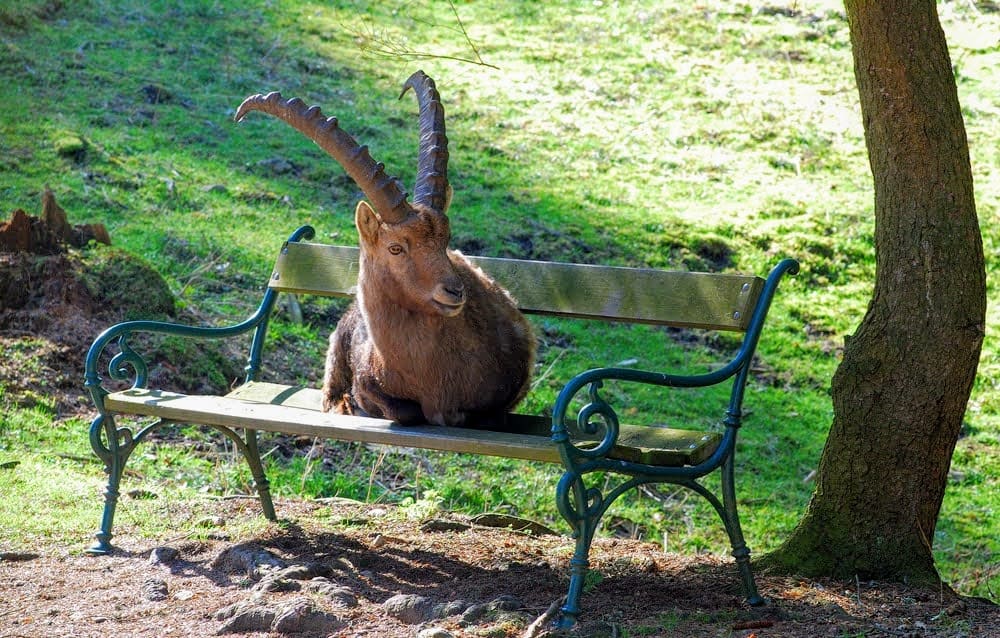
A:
[452,608]
[246,559]
[410,609]
[472,615]
[163,555]
[505,603]
[243,617]
[338,595]
[300,616]
[154,589]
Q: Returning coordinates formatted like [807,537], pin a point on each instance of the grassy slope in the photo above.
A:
[661,134]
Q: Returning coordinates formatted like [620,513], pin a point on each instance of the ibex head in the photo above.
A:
[403,245]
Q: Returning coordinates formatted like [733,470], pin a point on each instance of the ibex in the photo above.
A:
[430,337]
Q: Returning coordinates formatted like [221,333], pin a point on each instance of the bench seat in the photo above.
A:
[273,407]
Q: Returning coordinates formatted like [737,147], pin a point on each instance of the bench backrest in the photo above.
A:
[683,299]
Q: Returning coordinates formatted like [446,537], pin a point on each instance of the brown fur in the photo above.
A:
[430,337]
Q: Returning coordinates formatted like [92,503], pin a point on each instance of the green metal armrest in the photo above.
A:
[127,363]
[583,507]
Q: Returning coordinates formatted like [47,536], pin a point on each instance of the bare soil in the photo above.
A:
[351,569]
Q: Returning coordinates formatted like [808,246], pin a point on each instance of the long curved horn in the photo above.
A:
[385,193]
[431,188]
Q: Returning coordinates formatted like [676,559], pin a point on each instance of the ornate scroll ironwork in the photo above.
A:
[114,444]
[583,507]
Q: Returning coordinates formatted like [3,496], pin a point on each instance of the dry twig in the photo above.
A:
[541,625]
[381,43]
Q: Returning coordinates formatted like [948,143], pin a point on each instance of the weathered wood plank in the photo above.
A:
[236,413]
[642,444]
[696,300]
[296,410]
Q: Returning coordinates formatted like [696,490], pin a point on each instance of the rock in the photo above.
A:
[210,521]
[249,560]
[298,572]
[300,616]
[409,608]
[154,589]
[473,614]
[505,603]
[500,606]
[453,608]
[163,555]
[435,632]
[274,582]
[286,579]
[295,616]
[70,146]
[245,616]
[338,595]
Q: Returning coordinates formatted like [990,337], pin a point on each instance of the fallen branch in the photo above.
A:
[541,625]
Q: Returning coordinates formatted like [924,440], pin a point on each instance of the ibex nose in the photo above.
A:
[449,296]
[456,289]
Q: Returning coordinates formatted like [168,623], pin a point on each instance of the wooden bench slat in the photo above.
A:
[642,444]
[696,300]
[238,413]
[295,410]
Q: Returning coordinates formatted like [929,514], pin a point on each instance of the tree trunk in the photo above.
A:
[901,391]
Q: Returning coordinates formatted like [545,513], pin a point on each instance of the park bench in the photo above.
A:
[592,440]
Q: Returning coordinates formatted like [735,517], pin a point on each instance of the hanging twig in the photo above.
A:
[384,45]
[465,34]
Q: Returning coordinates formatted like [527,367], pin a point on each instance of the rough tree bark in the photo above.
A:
[900,393]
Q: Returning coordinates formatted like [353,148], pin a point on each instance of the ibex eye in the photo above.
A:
[395,249]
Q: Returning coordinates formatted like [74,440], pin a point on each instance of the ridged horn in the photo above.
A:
[385,193]
[431,188]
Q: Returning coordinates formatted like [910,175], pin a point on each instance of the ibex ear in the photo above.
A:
[368,223]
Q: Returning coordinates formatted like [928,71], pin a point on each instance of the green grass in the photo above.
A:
[713,135]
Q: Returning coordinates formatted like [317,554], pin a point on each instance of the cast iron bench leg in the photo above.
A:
[114,455]
[252,454]
[583,512]
[731,520]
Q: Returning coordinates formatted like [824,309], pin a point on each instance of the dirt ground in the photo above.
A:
[350,569]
